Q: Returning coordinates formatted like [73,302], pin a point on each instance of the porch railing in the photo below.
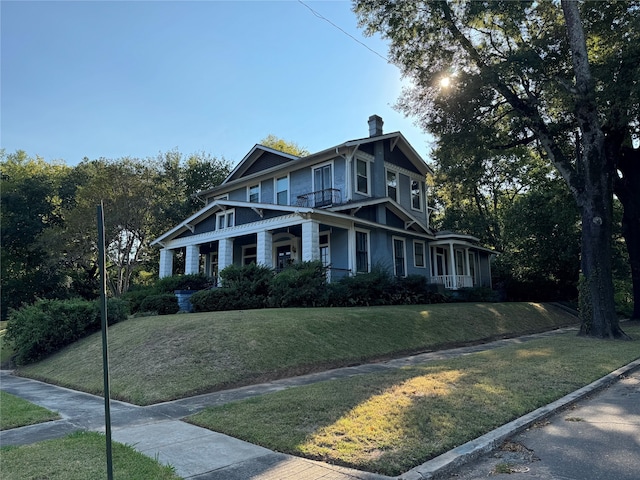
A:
[453,282]
[321,198]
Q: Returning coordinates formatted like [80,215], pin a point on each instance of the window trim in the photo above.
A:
[226,214]
[387,171]
[424,247]
[253,256]
[249,187]
[277,192]
[367,176]
[368,252]
[395,239]
[420,194]
[313,174]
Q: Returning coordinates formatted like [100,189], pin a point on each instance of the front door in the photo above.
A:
[283,257]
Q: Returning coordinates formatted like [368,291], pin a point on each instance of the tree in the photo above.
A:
[518,74]
[29,206]
[285,146]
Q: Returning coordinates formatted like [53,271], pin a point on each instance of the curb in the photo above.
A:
[470,451]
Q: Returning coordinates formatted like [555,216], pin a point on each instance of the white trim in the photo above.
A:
[424,253]
[404,255]
[367,166]
[421,196]
[355,250]
[259,187]
[225,215]
[276,191]
[388,170]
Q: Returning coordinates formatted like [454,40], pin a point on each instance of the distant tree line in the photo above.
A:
[48,220]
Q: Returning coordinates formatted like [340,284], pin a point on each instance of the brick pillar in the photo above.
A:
[310,241]
[192,259]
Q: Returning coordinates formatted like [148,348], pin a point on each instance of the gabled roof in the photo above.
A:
[280,161]
[410,220]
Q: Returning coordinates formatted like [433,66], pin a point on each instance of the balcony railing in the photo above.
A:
[321,198]
[453,282]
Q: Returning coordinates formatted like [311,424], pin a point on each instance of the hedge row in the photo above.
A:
[46,326]
[304,285]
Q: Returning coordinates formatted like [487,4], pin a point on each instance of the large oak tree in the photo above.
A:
[561,78]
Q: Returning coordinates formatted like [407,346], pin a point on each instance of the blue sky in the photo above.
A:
[121,78]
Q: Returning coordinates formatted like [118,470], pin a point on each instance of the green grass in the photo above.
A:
[154,359]
[391,422]
[79,456]
[16,412]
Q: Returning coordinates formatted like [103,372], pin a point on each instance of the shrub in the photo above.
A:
[46,326]
[163,304]
[213,300]
[476,294]
[195,281]
[374,288]
[299,285]
[136,296]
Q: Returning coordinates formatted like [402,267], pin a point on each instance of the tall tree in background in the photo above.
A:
[517,73]
[283,145]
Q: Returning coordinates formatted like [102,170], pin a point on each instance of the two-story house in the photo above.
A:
[352,206]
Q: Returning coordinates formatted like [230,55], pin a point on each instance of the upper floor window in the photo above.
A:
[225,219]
[254,194]
[282,191]
[392,185]
[362,177]
[416,195]
[323,186]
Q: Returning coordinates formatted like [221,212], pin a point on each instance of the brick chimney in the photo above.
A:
[375,125]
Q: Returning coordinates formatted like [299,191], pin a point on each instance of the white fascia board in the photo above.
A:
[247,158]
[221,205]
[461,241]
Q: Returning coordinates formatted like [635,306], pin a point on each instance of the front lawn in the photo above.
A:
[79,456]
[391,422]
[154,359]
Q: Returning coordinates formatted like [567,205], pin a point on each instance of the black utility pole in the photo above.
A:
[102,260]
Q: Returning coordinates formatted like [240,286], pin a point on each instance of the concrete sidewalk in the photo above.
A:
[197,453]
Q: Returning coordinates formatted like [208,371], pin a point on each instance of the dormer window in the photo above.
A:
[225,219]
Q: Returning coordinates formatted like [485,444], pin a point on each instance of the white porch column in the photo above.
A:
[192,259]
[310,241]
[351,244]
[225,253]
[452,266]
[264,249]
[467,269]
[166,262]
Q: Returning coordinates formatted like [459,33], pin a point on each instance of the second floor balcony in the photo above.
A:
[321,198]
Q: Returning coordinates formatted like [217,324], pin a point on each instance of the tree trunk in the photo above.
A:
[593,187]
[626,191]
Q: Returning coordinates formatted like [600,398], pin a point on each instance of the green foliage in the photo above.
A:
[195,281]
[248,283]
[283,145]
[299,285]
[477,294]
[46,326]
[367,289]
[163,304]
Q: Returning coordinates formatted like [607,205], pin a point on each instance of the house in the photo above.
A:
[352,206]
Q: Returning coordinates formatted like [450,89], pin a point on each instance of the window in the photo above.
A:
[362,177]
[392,185]
[472,267]
[249,254]
[459,262]
[282,189]
[254,194]
[322,186]
[400,268]
[416,195]
[225,219]
[362,252]
[418,254]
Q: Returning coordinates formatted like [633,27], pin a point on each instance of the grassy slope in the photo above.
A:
[390,422]
[154,359]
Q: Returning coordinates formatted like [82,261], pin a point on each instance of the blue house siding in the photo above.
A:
[267,191]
